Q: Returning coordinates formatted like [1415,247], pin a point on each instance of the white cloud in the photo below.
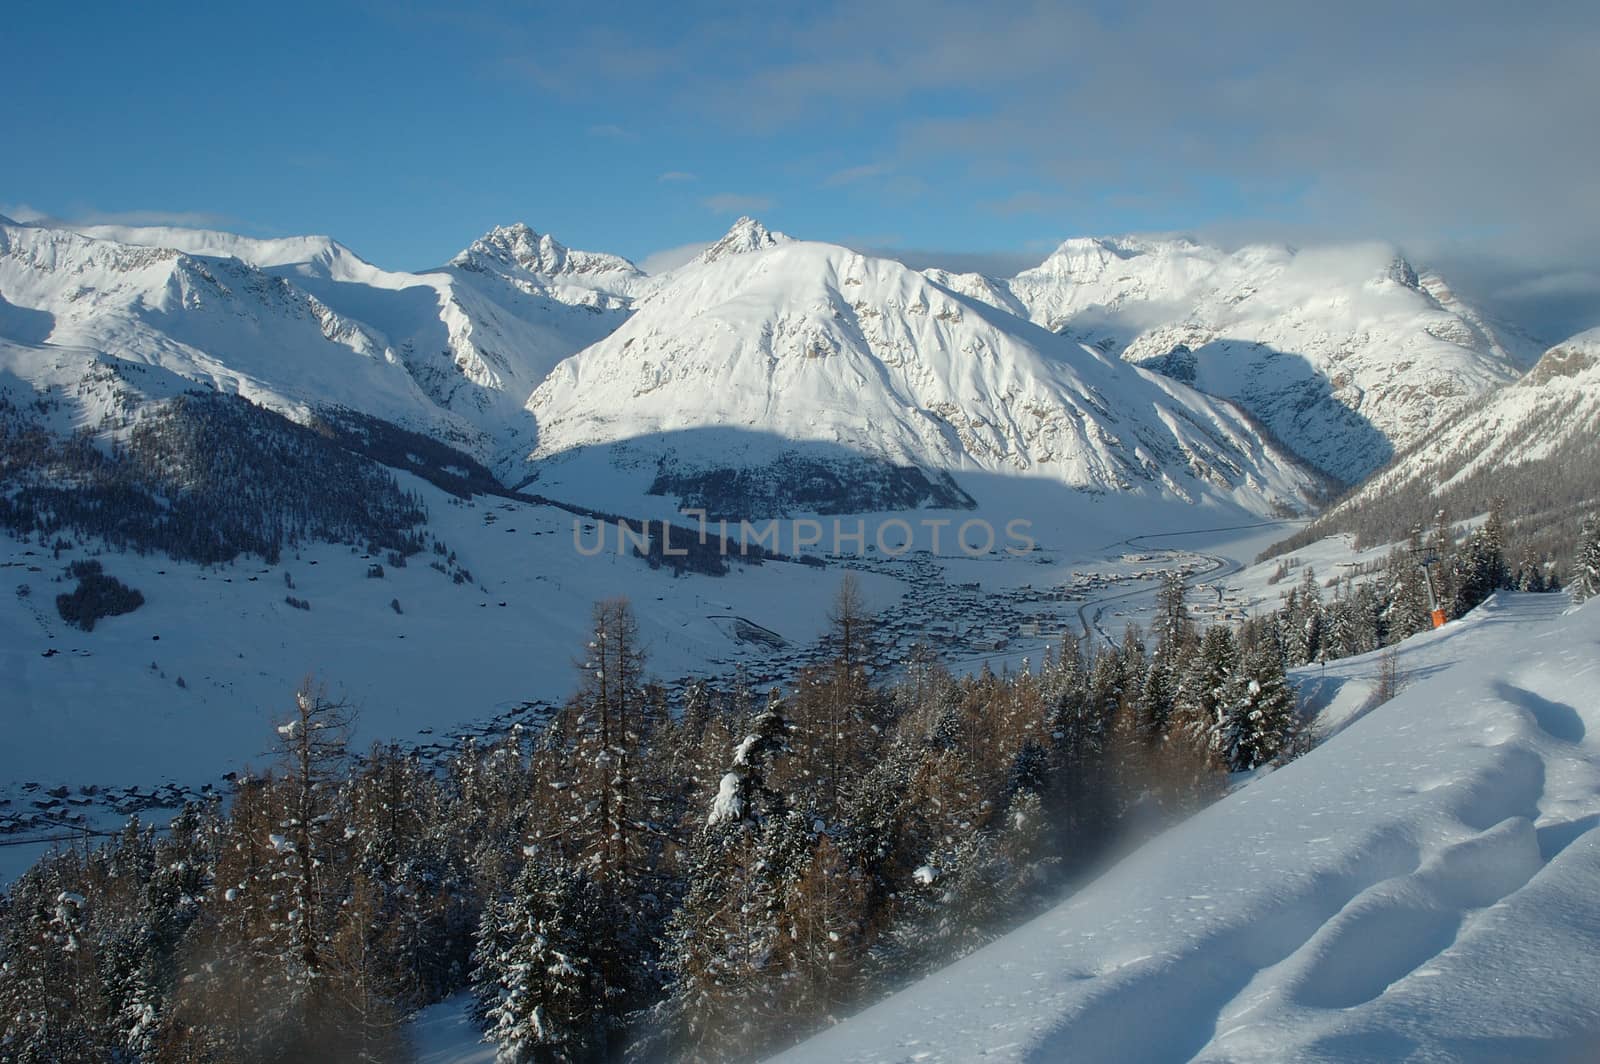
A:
[23,213]
[176,219]
[671,258]
[855,174]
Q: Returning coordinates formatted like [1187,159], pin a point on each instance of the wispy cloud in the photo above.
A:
[734,203]
[988,263]
[611,131]
[856,174]
[21,212]
[671,258]
[677,175]
[1372,117]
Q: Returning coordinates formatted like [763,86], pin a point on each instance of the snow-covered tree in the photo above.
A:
[725,979]
[1256,712]
[537,984]
[1204,692]
[1584,583]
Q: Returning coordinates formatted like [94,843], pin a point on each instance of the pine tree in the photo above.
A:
[611,709]
[538,986]
[724,980]
[1584,583]
[312,744]
[822,940]
[1256,712]
[1405,608]
[1303,621]
[835,711]
[1204,691]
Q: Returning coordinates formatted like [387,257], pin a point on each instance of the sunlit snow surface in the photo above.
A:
[1421,887]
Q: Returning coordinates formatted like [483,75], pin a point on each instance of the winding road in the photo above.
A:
[1220,567]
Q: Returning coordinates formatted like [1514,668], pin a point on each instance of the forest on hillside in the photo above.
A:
[639,880]
[204,477]
[1542,502]
[629,882]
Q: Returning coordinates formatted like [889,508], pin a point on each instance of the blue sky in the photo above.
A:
[963,133]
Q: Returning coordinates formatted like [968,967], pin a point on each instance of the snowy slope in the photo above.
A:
[453,352]
[216,321]
[103,707]
[1419,887]
[768,346]
[1554,407]
[1346,353]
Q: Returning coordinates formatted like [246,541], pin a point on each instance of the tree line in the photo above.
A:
[1431,568]
[203,477]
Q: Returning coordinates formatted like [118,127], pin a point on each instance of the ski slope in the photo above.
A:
[1419,887]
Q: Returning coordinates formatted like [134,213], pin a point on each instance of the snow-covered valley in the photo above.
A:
[287,463]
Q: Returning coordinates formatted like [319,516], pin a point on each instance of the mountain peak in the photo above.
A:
[746,234]
[1571,357]
[1124,247]
[1402,272]
[520,246]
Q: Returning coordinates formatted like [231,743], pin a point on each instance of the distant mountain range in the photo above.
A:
[772,375]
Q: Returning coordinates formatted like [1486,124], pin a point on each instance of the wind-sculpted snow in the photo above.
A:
[1418,887]
[812,345]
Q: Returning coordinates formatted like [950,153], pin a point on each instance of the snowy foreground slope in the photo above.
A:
[1420,887]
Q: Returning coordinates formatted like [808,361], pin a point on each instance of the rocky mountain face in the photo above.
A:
[1533,446]
[304,323]
[1347,354]
[773,355]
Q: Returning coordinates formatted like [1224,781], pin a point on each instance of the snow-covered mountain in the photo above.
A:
[774,361]
[219,322]
[833,380]
[1536,441]
[536,263]
[301,323]
[1419,887]
[746,234]
[1347,354]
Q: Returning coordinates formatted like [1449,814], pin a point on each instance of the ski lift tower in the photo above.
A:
[1426,562]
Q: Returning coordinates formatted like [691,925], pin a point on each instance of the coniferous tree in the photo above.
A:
[1256,712]
[1205,689]
[724,979]
[1584,583]
[537,983]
